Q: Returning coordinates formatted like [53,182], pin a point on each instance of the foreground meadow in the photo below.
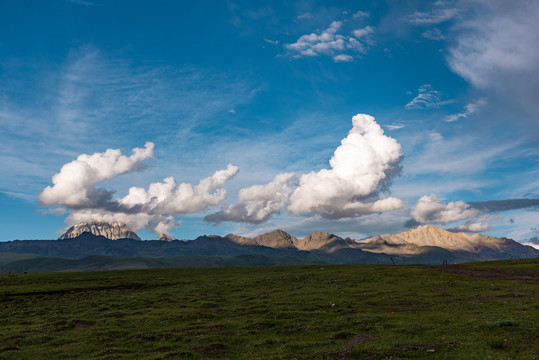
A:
[471,311]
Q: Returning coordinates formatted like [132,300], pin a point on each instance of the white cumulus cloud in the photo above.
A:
[74,185]
[431,209]
[153,208]
[331,43]
[168,198]
[258,202]
[361,167]
[359,33]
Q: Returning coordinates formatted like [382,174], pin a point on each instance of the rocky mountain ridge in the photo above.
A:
[110,230]
[423,244]
[165,237]
[411,242]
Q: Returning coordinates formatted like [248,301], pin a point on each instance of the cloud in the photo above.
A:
[426,98]
[433,34]
[468,110]
[534,240]
[93,97]
[472,226]
[360,14]
[331,43]
[366,31]
[431,209]
[496,48]
[434,136]
[453,156]
[306,15]
[135,221]
[168,198]
[533,245]
[361,167]
[434,17]
[272,42]
[74,185]
[54,211]
[75,188]
[257,203]
[493,206]
[395,126]
[343,58]
[362,163]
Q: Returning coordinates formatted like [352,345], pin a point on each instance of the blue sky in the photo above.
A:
[272,89]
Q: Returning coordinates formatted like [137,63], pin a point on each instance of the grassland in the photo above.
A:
[471,311]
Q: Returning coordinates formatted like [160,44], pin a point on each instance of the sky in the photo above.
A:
[213,117]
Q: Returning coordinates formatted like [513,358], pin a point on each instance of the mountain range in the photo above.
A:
[101,246]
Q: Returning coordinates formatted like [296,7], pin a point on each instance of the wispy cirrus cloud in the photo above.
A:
[468,110]
[395,126]
[427,98]
[435,16]
[74,103]
[452,155]
[305,15]
[433,34]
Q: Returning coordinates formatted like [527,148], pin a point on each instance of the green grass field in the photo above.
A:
[471,311]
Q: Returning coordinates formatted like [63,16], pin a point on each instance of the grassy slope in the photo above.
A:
[476,311]
[97,262]
[8,257]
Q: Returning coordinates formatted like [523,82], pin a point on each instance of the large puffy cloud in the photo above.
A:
[153,208]
[74,185]
[168,198]
[257,203]
[431,209]
[361,167]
